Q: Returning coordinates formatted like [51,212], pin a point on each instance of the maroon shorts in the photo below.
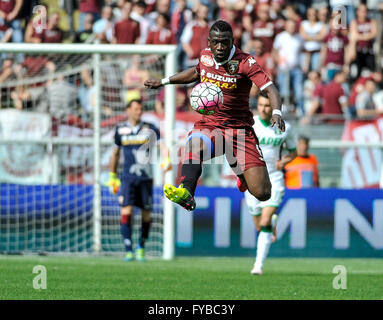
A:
[239,145]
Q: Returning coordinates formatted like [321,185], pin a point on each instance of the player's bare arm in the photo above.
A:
[286,159]
[275,102]
[187,76]
[114,160]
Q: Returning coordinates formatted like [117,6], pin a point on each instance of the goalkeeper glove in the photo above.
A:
[166,164]
[113,183]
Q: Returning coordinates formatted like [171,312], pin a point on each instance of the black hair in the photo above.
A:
[140,4]
[133,100]
[264,94]
[221,26]
[304,138]
[165,16]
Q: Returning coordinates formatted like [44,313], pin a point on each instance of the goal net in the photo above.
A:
[55,149]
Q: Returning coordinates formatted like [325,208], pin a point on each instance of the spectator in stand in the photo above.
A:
[287,50]
[86,35]
[292,12]
[363,32]
[334,53]
[52,33]
[61,97]
[264,28]
[35,65]
[159,33]
[276,14]
[224,5]
[86,92]
[364,104]
[181,100]
[6,71]
[5,33]
[126,30]
[331,100]
[180,17]
[324,16]
[103,28]
[312,83]
[138,14]
[236,24]
[162,6]
[302,172]
[134,76]
[358,87]
[264,59]
[117,8]
[89,6]
[9,11]
[194,36]
[313,32]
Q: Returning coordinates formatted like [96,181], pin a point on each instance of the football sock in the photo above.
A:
[189,175]
[126,232]
[145,227]
[263,245]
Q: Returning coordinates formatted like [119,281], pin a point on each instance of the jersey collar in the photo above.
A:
[264,122]
[218,64]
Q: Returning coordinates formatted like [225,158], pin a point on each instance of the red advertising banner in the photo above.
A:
[361,167]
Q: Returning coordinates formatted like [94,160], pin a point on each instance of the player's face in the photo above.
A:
[135,112]
[302,148]
[220,44]
[264,108]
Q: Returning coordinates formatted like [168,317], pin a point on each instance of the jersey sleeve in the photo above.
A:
[291,143]
[117,138]
[256,74]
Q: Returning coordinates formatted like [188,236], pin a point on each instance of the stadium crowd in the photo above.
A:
[323,55]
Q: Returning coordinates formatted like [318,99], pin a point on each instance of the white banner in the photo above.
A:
[24,163]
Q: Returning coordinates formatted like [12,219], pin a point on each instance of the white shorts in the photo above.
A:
[277,192]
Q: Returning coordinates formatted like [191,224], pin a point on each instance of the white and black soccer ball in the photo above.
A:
[205,98]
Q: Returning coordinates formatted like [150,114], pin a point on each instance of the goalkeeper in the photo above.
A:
[136,139]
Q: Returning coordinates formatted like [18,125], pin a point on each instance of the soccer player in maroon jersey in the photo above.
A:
[229,130]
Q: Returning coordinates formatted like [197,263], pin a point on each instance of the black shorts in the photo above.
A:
[136,193]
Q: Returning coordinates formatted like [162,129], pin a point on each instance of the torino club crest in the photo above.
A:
[232,66]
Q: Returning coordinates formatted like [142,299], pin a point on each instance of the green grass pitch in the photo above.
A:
[188,278]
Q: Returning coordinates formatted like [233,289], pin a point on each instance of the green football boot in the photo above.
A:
[180,196]
[129,256]
[140,254]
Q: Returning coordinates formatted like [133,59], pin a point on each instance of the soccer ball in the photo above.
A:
[205,98]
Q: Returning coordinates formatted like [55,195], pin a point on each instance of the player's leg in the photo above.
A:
[253,204]
[144,235]
[245,158]
[144,201]
[199,147]
[126,231]
[264,239]
[258,182]
[267,228]
[126,199]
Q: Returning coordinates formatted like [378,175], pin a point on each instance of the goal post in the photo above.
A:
[96,51]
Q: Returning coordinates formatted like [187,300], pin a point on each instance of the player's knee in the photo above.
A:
[126,211]
[146,216]
[262,193]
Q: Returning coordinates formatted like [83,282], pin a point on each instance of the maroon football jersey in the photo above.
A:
[364,27]
[235,79]
[335,48]
[265,31]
